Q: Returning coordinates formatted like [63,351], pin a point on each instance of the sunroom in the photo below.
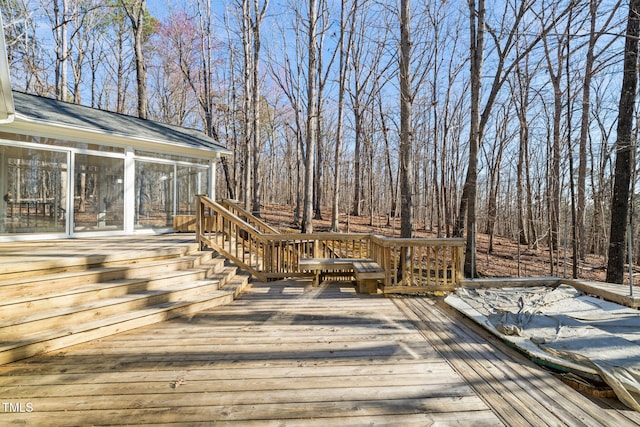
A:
[68,170]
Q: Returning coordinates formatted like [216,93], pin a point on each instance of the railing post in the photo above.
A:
[460,266]
[199,219]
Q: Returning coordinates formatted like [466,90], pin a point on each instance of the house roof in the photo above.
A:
[86,123]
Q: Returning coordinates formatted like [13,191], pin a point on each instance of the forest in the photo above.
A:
[510,119]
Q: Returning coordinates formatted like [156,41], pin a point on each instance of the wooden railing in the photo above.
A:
[419,264]
[242,213]
[225,232]
[411,265]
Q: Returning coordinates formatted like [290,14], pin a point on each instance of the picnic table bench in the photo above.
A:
[366,271]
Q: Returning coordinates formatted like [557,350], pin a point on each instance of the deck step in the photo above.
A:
[59,308]
[107,282]
[79,313]
[65,263]
[46,283]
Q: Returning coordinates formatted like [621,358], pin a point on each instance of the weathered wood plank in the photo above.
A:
[294,355]
[555,395]
[201,393]
[534,387]
[295,413]
[526,396]
[281,354]
[223,369]
[471,368]
[419,371]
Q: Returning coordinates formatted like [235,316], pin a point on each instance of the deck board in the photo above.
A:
[507,375]
[282,352]
[286,353]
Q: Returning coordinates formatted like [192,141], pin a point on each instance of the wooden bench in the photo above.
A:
[367,272]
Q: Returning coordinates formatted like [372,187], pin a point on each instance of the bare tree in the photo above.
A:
[232,120]
[246,102]
[119,68]
[504,38]
[344,45]
[601,150]
[174,79]
[288,76]
[136,10]
[521,91]
[493,159]
[312,120]
[257,15]
[406,130]
[555,67]
[624,149]
[23,46]
[590,69]
[60,21]
[324,73]
[468,201]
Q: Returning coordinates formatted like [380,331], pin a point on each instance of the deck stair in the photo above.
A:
[55,304]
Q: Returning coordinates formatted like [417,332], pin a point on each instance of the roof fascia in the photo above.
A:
[26,125]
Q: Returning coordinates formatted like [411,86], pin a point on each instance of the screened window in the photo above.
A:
[154,191]
[34,185]
[99,193]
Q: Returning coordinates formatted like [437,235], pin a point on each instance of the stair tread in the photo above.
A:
[95,259]
[110,320]
[75,299]
[62,311]
[96,286]
[98,270]
[219,277]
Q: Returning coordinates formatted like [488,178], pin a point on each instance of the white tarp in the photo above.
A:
[565,327]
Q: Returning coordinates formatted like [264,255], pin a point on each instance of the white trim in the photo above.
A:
[129,190]
[29,126]
[96,153]
[174,186]
[7,109]
[83,234]
[71,192]
[146,231]
[24,237]
[213,169]
[34,146]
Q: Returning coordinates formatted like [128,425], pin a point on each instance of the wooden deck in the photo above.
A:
[286,353]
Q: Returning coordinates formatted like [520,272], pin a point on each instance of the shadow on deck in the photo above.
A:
[287,353]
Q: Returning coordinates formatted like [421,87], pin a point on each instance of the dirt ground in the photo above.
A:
[503,262]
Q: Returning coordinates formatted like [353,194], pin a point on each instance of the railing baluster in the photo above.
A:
[262,250]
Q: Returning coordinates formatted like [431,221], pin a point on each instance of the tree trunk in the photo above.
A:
[468,199]
[135,11]
[307,213]
[624,147]
[357,168]
[406,130]
[60,9]
[258,13]
[342,81]
[246,105]
[387,154]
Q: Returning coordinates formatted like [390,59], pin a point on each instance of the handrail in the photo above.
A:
[241,212]
[228,234]
[411,265]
